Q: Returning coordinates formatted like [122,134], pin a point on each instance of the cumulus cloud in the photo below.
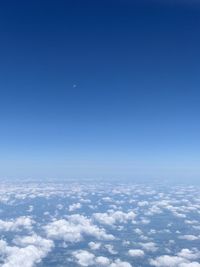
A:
[111,249]
[19,223]
[189,254]
[183,259]
[149,246]
[94,245]
[119,263]
[167,261]
[138,231]
[189,237]
[102,261]
[114,217]
[136,253]
[85,258]
[143,203]
[128,212]
[75,206]
[33,250]
[74,228]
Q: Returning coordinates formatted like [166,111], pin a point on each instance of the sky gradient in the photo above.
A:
[99,89]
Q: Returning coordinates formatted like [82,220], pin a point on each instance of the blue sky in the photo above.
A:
[134,110]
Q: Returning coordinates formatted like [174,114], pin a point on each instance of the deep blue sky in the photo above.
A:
[135,109]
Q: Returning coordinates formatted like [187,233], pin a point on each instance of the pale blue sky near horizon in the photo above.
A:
[100,89]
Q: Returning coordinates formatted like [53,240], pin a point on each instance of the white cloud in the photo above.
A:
[182,259]
[189,254]
[189,237]
[111,249]
[138,231]
[113,217]
[33,250]
[94,245]
[145,221]
[143,203]
[167,261]
[149,246]
[136,253]
[35,240]
[119,263]
[19,223]
[102,261]
[74,228]
[85,258]
[75,206]
[114,206]
[190,264]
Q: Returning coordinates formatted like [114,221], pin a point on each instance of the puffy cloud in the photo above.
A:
[35,240]
[102,261]
[167,261]
[33,250]
[191,222]
[189,254]
[143,203]
[74,228]
[182,259]
[19,223]
[153,210]
[112,204]
[149,246]
[189,237]
[138,231]
[113,217]
[136,253]
[85,258]
[75,206]
[111,249]
[145,221]
[107,199]
[94,245]
[119,263]
[190,264]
